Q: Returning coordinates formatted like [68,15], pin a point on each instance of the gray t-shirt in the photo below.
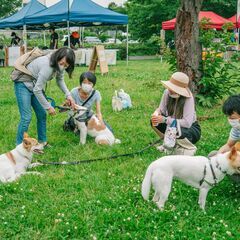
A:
[42,72]
[79,101]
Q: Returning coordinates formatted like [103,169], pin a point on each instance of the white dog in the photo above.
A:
[197,171]
[95,128]
[14,163]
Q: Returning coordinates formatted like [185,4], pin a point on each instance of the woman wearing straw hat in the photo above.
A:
[178,103]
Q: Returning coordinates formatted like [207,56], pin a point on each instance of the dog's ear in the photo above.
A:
[25,135]
[26,142]
[233,154]
[237,146]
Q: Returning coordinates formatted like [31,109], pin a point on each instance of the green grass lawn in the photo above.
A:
[102,200]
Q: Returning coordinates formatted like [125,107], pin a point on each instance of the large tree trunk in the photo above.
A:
[187,44]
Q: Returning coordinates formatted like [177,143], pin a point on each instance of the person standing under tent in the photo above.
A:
[2,56]
[53,39]
[15,39]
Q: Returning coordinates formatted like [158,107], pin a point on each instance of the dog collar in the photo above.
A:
[219,167]
[29,159]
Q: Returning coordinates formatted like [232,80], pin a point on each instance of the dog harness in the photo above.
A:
[213,174]
[11,157]
[83,119]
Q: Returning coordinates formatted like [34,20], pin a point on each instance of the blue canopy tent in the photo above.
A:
[77,13]
[18,20]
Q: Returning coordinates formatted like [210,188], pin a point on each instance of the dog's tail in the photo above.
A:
[146,184]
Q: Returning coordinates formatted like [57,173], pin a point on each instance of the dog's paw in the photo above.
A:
[36,164]
[36,173]
[160,206]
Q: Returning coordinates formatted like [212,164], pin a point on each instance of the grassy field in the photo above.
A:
[102,200]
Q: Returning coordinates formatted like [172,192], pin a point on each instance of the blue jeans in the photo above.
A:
[26,99]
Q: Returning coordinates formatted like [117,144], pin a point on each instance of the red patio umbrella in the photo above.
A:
[216,21]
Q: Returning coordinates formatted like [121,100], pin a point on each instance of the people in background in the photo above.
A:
[2,56]
[15,39]
[177,103]
[74,40]
[53,39]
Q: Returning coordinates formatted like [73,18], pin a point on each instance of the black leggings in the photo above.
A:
[193,133]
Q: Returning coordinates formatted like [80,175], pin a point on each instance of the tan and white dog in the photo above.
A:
[196,171]
[13,164]
[95,128]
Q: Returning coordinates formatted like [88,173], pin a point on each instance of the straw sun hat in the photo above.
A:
[178,83]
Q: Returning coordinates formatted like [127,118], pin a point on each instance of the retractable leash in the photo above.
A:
[101,159]
[60,108]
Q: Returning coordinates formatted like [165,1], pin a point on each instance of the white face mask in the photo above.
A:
[175,95]
[87,88]
[234,123]
[61,68]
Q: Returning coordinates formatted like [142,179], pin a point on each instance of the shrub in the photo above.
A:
[220,74]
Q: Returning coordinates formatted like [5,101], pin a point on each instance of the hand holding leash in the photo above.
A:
[71,102]
[51,111]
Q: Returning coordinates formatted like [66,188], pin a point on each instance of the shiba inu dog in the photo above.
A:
[13,164]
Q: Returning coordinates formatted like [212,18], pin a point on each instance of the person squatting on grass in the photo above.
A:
[30,91]
[86,95]
[178,103]
[86,89]
[231,108]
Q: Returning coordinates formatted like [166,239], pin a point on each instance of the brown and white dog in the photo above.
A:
[95,128]
[13,164]
[196,171]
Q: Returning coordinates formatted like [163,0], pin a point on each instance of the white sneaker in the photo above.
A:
[46,145]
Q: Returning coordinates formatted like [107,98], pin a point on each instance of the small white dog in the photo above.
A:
[15,163]
[196,171]
[95,128]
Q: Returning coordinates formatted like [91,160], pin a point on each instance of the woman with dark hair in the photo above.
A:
[29,91]
[177,103]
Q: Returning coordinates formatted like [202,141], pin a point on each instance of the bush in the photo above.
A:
[220,76]
[138,49]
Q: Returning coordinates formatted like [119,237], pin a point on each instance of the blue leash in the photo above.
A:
[60,108]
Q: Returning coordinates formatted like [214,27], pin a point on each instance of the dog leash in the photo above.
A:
[103,158]
[60,108]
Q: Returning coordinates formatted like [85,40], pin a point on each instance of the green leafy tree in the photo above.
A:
[8,7]
[146,16]
[221,7]
[120,9]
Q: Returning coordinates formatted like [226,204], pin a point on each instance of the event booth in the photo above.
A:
[65,13]
[216,21]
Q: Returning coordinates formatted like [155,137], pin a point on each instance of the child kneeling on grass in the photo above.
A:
[231,108]
[85,95]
